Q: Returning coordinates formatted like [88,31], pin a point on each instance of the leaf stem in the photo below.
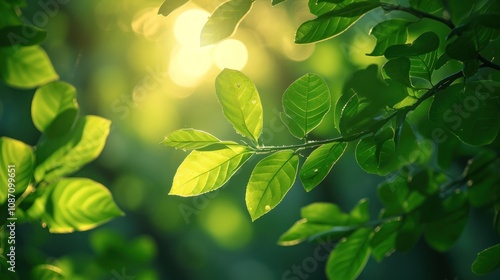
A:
[488,63]
[420,14]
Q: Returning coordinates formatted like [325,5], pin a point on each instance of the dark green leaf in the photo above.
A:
[445,229]
[470,67]
[56,157]
[430,6]
[472,38]
[399,70]
[319,163]
[26,67]
[240,103]
[388,33]
[384,239]
[487,260]
[377,154]
[21,35]
[496,218]
[306,103]
[276,2]
[425,43]
[76,204]
[16,167]
[205,171]
[169,6]
[271,179]
[470,112]
[224,21]
[393,194]
[483,177]
[333,19]
[350,256]
[408,234]
[51,101]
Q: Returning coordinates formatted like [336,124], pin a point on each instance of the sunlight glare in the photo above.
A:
[189,65]
[188,26]
[231,54]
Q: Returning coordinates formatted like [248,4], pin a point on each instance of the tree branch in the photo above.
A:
[488,63]
[390,7]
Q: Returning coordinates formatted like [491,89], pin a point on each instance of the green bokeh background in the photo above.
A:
[110,49]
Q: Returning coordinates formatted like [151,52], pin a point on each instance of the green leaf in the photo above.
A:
[224,21]
[205,171]
[383,243]
[77,204]
[470,67]
[388,33]
[393,194]
[60,156]
[496,218]
[377,154]
[483,177]
[16,167]
[318,8]
[487,260]
[240,103]
[271,179]
[444,230]
[306,103]
[47,272]
[319,163]
[399,70]
[168,6]
[470,112]
[51,101]
[425,43]
[333,22]
[190,139]
[26,67]
[276,2]
[408,234]
[350,256]
[430,6]
[23,35]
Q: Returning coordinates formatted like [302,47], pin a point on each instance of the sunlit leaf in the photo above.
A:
[306,103]
[333,22]
[77,204]
[319,163]
[47,272]
[204,171]
[168,6]
[240,103]
[377,154]
[190,139]
[49,102]
[271,179]
[476,122]
[26,67]
[17,35]
[16,167]
[224,21]
[487,260]
[60,156]
[383,243]
[388,33]
[350,256]
[399,70]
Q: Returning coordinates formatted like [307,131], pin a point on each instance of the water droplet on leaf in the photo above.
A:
[267,207]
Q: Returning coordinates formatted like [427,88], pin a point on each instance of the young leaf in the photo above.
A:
[270,181]
[205,171]
[224,21]
[350,256]
[14,35]
[77,204]
[388,33]
[487,260]
[469,112]
[190,139]
[169,6]
[306,103]
[319,163]
[240,103]
[26,67]
[52,100]
[16,167]
[56,157]
[334,22]
[399,70]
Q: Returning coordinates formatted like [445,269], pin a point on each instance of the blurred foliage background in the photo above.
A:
[147,74]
